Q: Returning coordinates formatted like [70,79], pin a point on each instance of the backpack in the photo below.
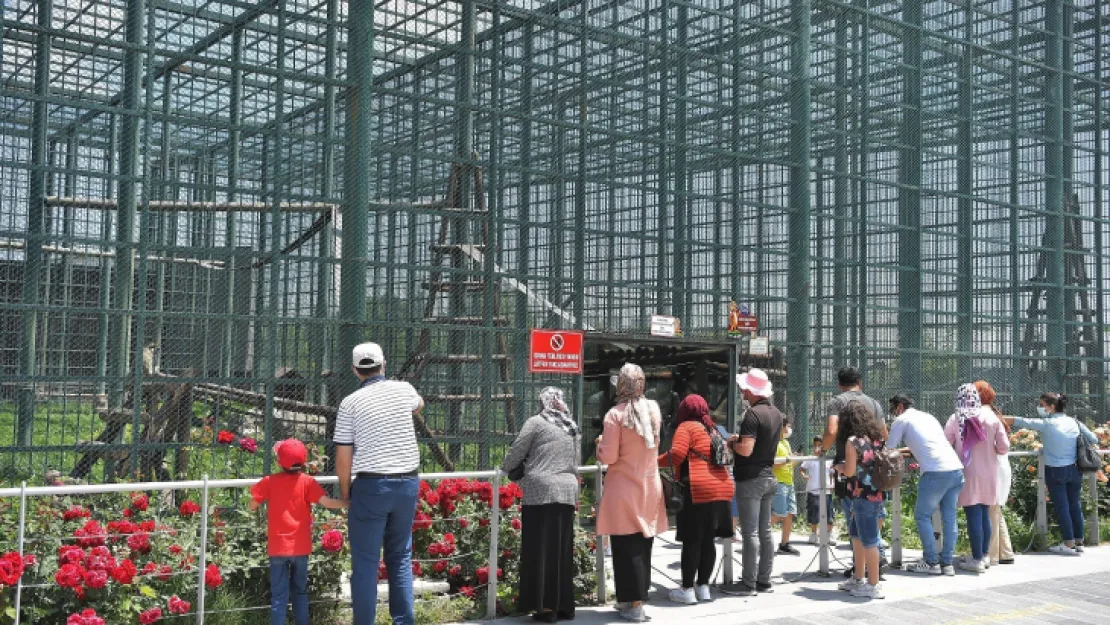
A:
[719,453]
[886,470]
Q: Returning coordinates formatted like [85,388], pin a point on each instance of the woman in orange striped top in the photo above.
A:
[706,515]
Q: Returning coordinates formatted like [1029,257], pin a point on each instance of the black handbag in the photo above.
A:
[674,489]
[1086,454]
[517,474]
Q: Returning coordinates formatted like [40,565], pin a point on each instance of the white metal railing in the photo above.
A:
[205,486]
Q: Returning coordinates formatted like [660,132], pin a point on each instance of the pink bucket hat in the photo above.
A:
[755,381]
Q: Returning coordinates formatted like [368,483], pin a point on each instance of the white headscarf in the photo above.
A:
[638,410]
[555,410]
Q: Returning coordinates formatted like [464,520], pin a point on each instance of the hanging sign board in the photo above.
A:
[555,351]
[741,320]
[662,325]
[759,346]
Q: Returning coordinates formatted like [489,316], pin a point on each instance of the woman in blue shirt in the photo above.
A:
[1059,434]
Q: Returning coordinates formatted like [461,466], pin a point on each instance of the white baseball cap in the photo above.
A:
[756,382]
[367,355]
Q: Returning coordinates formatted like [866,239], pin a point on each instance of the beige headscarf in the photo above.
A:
[637,410]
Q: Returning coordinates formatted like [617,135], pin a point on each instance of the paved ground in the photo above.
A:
[1038,588]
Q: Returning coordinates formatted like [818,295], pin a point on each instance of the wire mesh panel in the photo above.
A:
[205,205]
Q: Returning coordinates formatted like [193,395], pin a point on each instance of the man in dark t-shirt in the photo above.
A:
[851,389]
[755,446]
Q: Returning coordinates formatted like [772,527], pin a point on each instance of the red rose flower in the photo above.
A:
[85,617]
[71,554]
[125,572]
[148,526]
[11,568]
[165,573]
[432,498]
[69,576]
[139,543]
[29,560]
[212,577]
[225,437]
[75,512]
[127,513]
[506,554]
[383,573]
[95,580]
[417,571]
[463,523]
[122,528]
[455,571]
[150,569]
[140,502]
[421,522]
[467,591]
[100,559]
[483,574]
[483,522]
[175,549]
[178,606]
[248,445]
[515,524]
[188,508]
[449,537]
[440,566]
[332,541]
[91,534]
[151,616]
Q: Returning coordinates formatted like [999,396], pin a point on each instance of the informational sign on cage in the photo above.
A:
[556,351]
[759,346]
[663,325]
[741,320]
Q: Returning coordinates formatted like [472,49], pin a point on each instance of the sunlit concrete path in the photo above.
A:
[1037,588]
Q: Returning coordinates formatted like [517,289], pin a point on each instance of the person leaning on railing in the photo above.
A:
[1059,433]
[1001,550]
[544,459]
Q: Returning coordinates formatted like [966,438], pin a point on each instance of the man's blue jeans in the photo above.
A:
[380,520]
[938,489]
[288,581]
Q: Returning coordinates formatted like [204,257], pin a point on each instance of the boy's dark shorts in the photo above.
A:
[813,508]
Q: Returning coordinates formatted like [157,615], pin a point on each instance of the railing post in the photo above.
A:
[822,518]
[1042,507]
[896,528]
[203,559]
[494,552]
[1092,519]
[22,525]
[599,540]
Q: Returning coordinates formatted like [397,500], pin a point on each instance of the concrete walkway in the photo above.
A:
[1037,588]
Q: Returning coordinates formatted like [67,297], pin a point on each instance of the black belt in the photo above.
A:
[380,476]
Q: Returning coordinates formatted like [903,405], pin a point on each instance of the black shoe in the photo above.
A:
[545,617]
[849,571]
[762,588]
[786,549]
[738,589]
[1006,561]
[565,616]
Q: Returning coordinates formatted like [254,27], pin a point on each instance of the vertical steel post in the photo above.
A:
[524,252]
[69,189]
[1072,371]
[738,147]
[1056,330]
[358,157]
[104,289]
[494,548]
[599,546]
[733,425]
[124,283]
[896,528]
[1092,519]
[1042,507]
[823,514]
[909,204]
[680,285]
[325,274]
[1020,363]
[494,227]
[36,225]
[579,277]
[842,199]
[964,219]
[1097,364]
[202,559]
[22,534]
[234,158]
[798,320]
[661,118]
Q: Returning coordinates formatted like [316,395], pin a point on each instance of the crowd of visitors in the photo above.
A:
[725,483]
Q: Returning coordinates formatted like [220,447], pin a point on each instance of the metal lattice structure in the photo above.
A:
[216,199]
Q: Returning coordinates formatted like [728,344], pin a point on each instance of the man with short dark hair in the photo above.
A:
[850,382]
[755,446]
[942,478]
[376,443]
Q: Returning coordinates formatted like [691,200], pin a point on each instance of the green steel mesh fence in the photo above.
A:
[205,204]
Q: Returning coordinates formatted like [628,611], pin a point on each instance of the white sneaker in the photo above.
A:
[813,539]
[703,593]
[922,566]
[974,566]
[948,570]
[634,615]
[1078,548]
[851,585]
[1063,550]
[683,596]
[987,562]
[867,591]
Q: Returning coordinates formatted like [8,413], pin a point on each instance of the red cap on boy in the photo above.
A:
[291,454]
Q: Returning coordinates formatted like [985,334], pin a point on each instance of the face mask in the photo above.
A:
[1041,410]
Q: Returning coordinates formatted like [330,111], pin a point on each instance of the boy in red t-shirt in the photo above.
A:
[290,495]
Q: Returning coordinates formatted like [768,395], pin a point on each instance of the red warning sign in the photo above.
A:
[556,351]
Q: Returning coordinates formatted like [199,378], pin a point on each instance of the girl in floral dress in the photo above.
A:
[861,435]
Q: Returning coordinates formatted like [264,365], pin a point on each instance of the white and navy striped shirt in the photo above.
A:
[377,420]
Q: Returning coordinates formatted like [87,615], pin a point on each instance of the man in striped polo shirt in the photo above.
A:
[376,445]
